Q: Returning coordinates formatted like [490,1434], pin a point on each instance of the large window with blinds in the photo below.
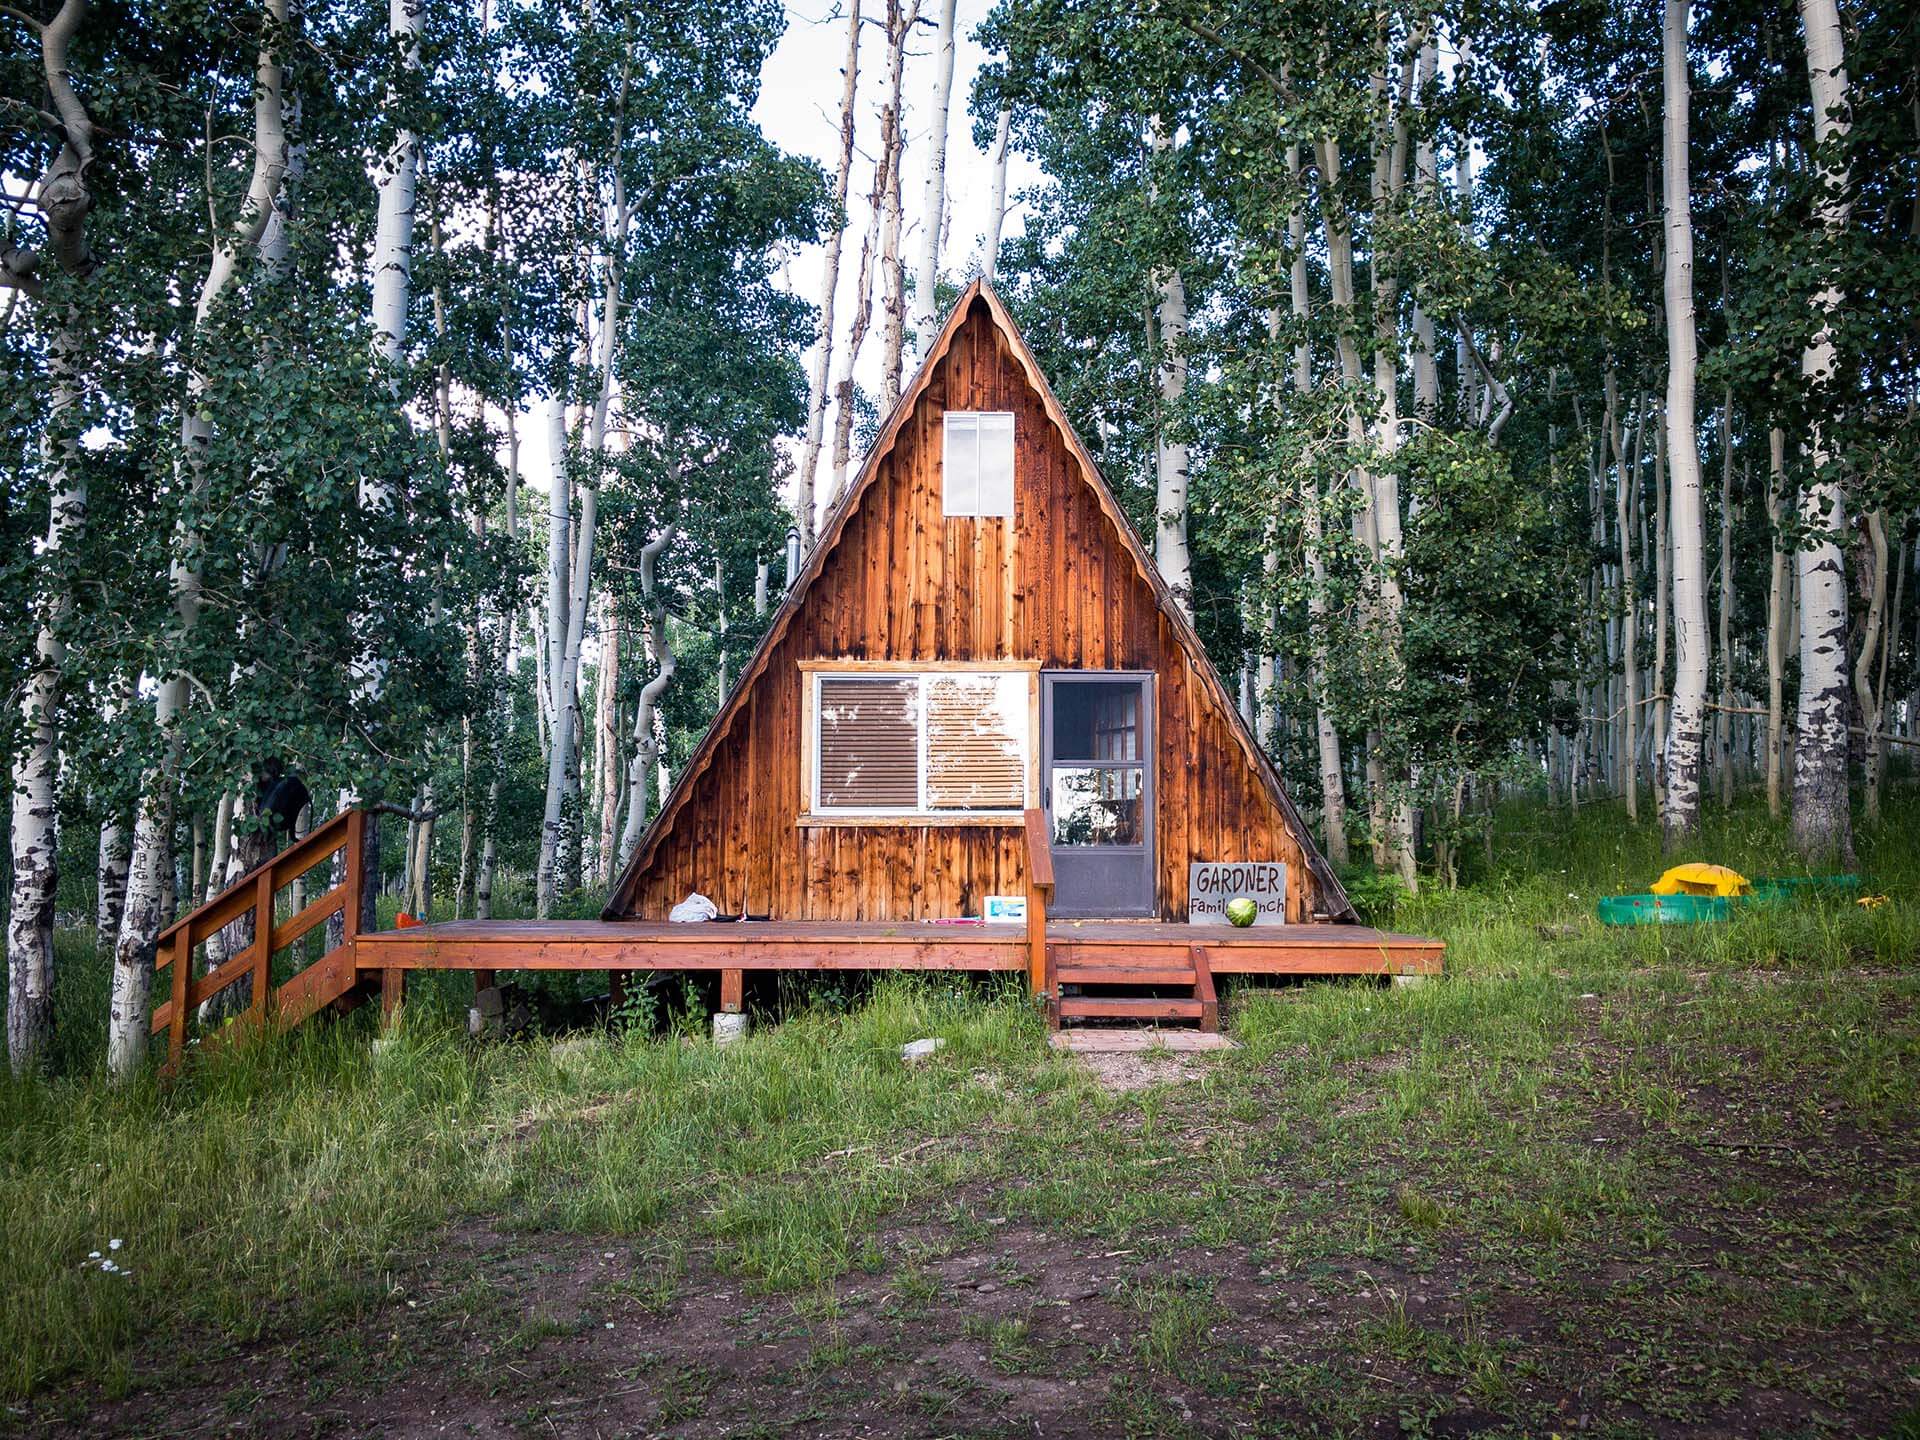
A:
[939,743]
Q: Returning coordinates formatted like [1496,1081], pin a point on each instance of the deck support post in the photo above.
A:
[1039,891]
[730,1020]
[1203,990]
[393,995]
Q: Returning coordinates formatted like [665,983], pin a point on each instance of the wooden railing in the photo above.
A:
[1039,892]
[253,894]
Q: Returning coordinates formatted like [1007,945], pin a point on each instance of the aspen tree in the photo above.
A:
[933,202]
[1686,733]
[997,205]
[803,495]
[893,296]
[1170,549]
[1822,822]
[142,916]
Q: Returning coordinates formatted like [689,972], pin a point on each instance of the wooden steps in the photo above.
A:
[1094,986]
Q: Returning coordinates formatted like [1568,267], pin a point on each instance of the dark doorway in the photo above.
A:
[1096,785]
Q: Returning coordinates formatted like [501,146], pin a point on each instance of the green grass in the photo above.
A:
[1686,1154]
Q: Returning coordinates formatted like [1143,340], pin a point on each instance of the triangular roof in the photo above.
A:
[1332,892]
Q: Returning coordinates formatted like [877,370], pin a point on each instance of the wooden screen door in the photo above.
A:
[1096,785]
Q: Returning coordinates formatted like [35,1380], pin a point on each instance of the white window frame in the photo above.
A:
[951,509]
[813,807]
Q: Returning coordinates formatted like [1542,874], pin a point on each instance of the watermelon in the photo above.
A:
[1241,910]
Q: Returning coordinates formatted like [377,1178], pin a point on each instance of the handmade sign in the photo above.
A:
[1212,884]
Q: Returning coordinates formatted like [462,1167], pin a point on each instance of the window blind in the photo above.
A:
[976,750]
[977,463]
[869,737]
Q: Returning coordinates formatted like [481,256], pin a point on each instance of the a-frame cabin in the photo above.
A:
[979,631]
[977,690]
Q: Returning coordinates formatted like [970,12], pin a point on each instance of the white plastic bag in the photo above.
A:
[694,909]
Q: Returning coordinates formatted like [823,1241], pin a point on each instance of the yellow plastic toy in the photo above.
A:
[1696,878]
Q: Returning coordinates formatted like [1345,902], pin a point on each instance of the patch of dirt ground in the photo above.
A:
[1011,1331]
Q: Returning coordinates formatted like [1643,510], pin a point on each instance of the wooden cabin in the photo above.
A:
[977,699]
[979,631]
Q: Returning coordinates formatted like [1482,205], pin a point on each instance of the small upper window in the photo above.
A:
[978,463]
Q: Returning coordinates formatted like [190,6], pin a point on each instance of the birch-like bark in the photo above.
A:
[111,898]
[646,741]
[1333,788]
[1426,186]
[1170,550]
[607,744]
[502,724]
[1726,730]
[1629,603]
[997,206]
[1778,626]
[1686,726]
[36,849]
[396,179]
[1659,694]
[142,916]
[563,651]
[1366,534]
[570,559]
[1389,181]
[893,296]
[803,501]
[1822,822]
[64,199]
[933,199]
[1873,640]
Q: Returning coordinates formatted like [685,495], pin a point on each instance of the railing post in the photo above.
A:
[1039,890]
[182,963]
[262,942]
[356,879]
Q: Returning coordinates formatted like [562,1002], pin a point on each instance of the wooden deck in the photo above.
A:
[1056,955]
[839,945]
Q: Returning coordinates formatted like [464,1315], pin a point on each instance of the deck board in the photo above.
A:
[849,945]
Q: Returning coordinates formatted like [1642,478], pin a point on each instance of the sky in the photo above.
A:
[799,110]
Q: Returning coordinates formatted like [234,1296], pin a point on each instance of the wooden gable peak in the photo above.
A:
[1333,894]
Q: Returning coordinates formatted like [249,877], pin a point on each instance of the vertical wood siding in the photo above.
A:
[1054,584]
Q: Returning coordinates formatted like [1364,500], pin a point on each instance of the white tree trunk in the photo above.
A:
[1822,822]
[1777,628]
[646,742]
[112,889]
[997,208]
[1170,549]
[1426,186]
[36,872]
[64,201]
[560,700]
[1389,182]
[1626,474]
[1333,787]
[144,915]
[803,502]
[885,161]
[396,178]
[607,745]
[893,298]
[1726,727]
[933,200]
[1686,730]
[1873,637]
